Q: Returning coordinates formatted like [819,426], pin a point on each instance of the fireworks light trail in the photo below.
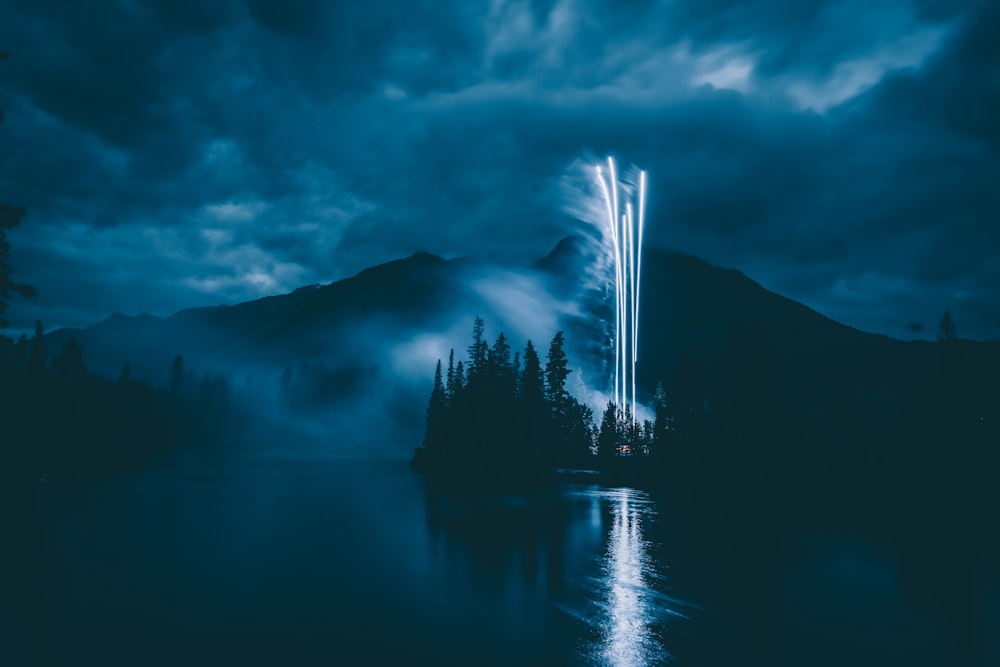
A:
[625,230]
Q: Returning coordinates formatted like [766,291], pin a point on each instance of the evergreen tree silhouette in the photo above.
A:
[458,427]
[501,388]
[449,387]
[126,374]
[556,372]
[499,357]
[946,329]
[10,217]
[477,349]
[496,411]
[475,411]
[628,434]
[532,381]
[533,410]
[579,434]
[437,408]
[609,435]
[501,369]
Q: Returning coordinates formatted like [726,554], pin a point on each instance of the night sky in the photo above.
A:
[174,153]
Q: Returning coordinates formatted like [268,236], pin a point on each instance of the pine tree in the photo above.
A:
[501,374]
[556,372]
[608,436]
[532,408]
[449,387]
[946,330]
[10,217]
[500,406]
[532,382]
[579,435]
[126,375]
[474,427]
[437,408]
[628,434]
[477,350]
[499,357]
[456,421]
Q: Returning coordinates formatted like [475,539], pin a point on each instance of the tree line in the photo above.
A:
[496,406]
[500,405]
[733,413]
[56,416]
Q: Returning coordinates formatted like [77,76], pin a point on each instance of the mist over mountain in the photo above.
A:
[378,334]
[685,302]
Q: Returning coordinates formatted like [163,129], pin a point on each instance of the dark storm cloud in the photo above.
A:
[181,153]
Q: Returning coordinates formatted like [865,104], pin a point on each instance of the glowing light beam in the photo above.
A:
[626,233]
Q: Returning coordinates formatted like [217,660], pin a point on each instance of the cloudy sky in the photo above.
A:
[173,153]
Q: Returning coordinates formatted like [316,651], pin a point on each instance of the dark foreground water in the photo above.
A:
[334,562]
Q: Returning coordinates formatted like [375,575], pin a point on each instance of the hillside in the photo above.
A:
[698,321]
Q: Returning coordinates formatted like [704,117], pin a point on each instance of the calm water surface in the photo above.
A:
[342,562]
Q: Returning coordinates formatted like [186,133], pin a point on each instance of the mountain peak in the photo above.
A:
[398,267]
[572,244]
[566,252]
[423,256]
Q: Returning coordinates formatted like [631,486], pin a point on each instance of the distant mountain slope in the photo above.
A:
[309,323]
[694,318]
[718,324]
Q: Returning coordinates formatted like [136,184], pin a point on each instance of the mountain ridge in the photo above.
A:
[690,308]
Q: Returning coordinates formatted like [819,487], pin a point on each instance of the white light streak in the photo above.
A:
[632,610]
[625,231]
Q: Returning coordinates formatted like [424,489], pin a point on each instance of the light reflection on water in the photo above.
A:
[628,640]
[591,552]
[337,562]
[630,609]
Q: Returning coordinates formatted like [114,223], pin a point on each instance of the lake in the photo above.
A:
[318,561]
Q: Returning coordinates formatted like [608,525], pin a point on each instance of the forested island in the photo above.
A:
[494,413]
[730,428]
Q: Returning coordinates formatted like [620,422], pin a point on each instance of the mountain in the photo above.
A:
[308,324]
[703,330]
